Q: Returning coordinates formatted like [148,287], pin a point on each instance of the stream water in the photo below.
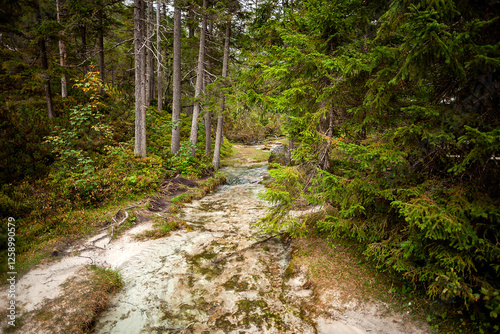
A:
[207,280]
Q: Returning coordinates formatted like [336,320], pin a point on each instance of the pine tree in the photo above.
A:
[199,81]
[176,81]
[140,82]
[220,116]
[407,89]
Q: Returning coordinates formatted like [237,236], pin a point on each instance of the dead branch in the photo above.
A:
[118,224]
[97,52]
[244,249]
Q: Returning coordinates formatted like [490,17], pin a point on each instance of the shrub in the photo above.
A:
[284,194]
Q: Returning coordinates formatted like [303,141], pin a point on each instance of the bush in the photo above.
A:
[251,126]
[439,233]
[23,156]
[284,193]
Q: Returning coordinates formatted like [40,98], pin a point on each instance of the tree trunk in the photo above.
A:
[101,47]
[62,56]
[191,22]
[149,54]
[140,110]
[45,66]
[83,47]
[48,96]
[220,118]
[208,114]
[159,60]
[167,73]
[324,154]
[176,100]
[199,81]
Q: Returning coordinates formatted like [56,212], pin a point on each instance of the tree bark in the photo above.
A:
[101,46]
[140,110]
[62,55]
[199,81]
[83,47]
[208,114]
[176,100]
[220,118]
[324,154]
[190,23]
[159,60]
[149,53]
[45,66]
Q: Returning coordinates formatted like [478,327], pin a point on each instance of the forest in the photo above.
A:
[390,107]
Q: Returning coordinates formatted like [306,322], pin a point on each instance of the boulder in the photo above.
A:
[280,154]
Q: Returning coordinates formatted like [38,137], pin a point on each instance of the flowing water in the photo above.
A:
[210,280]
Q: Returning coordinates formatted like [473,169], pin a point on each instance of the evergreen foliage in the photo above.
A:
[413,173]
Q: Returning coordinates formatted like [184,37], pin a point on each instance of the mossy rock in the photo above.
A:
[280,155]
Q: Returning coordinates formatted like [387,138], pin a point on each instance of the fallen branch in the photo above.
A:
[98,239]
[88,247]
[244,249]
[88,257]
[126,216]
[118,224]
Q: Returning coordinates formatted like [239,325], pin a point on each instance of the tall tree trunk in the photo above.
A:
[62,55]
[199,81]
[83,47]
[167,73]
[191,22]
[167,67]
[149,53]
[159,60]
[220,118]
[208,114]
[324,155]
[140,110]
[45,66]
[101,46]
[176,101]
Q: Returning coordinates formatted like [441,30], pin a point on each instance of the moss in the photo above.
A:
[290,270]
[44,315]
[246,305]
[223,323]
[256,277]
[201,264]
[258,313]
[162,227]
[235,284]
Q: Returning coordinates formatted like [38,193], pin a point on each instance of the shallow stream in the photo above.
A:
[210,280]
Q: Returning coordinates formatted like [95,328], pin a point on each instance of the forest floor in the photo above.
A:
[351,295]
[348,294]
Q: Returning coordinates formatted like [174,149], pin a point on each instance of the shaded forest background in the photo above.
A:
[391,109]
